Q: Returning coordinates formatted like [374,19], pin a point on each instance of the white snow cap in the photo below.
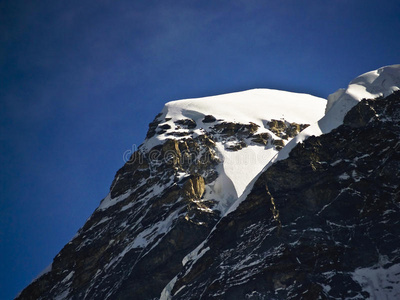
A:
[258,106]
[253,105]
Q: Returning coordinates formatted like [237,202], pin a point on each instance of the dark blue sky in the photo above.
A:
[80,81]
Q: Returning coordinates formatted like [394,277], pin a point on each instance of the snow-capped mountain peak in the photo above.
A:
[253,115]
[229,197]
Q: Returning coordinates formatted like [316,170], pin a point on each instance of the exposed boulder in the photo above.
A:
[262,138]
[188,123]
[284,129]
[194,187]
[235,129]
[279,144]
[153,126]
[209,119]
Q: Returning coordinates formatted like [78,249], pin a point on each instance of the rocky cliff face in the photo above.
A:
[321,224]
[135,241]
[162,204]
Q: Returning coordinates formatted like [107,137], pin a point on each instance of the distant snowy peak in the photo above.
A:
[378,83]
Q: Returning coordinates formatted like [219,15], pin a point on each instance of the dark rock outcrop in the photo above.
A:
[153,126]
[187,123]
[235,129]
[284,129]
[262,138]
[209,119]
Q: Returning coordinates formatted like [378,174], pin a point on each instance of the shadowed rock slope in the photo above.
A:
[321,224]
